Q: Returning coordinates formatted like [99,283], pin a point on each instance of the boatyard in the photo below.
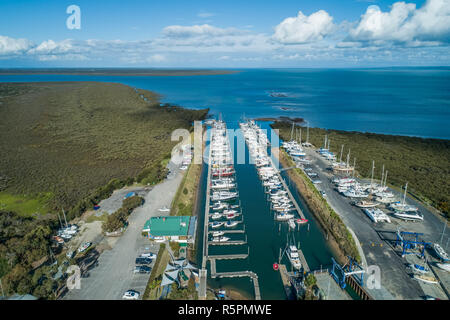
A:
[394,232]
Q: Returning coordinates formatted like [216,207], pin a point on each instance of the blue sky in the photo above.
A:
[172,33]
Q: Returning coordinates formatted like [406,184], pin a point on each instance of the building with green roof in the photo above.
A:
[173,228]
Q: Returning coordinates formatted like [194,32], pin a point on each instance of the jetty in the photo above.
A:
[206,243]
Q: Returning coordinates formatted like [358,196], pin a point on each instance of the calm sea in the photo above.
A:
[410,101]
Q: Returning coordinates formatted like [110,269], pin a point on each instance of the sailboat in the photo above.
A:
[402,206]
[440,252]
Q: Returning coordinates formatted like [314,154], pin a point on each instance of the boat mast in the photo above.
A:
[307,133]
[354,166]
[325,143]
[348,158]
[64,217]
[300,136]
[385,178]
[371,179]
[342,150]
[292,130]
[404,195]
[328,145]
[382,175]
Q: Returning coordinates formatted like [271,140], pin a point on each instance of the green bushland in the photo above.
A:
[423,163]
[158,269]
[327,217]
[68,145]
[24,245]
[189,293]
[119,219]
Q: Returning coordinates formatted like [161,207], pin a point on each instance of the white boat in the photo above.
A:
[425,278]
[164,209]
[216,224]
[231,223]
[216,216]
[284,216]
[291,223]
[220,239]
[293,256]
[444,266]
[376,215]
[408,215]
[403,207]
[440,252]
[218,233]
[419,268]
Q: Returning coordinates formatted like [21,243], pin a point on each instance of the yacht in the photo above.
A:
[220,239]
[376,215]
[444,266]
[425,278]
[218,233]
[231,223]
[284,216]
[216,224]
[216,216]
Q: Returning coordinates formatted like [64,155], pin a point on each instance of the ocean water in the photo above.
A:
[409,101]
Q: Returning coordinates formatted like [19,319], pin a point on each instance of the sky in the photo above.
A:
[224,34]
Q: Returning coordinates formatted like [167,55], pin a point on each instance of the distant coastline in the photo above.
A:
[116,72]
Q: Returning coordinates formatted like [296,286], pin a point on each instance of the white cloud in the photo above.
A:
[157,58]
[204,30]
[11,46]
[404,23]
[304,29]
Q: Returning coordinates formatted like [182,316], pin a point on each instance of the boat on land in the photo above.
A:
[408,215]
[444,266]
[418,268]
[402,206]
[366,204]
[440,252]
[425,278]
[164,209]
[376,215]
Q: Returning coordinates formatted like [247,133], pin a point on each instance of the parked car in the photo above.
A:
[148,255]
[142,269]
[141,260]
[131,295]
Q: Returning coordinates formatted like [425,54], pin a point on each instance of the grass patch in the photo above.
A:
[92,218]
[183,202]
[25,205]
[424,163]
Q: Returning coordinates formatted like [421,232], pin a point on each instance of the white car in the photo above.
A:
[130,295]
[148,255]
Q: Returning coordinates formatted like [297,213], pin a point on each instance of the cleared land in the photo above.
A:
[424,163]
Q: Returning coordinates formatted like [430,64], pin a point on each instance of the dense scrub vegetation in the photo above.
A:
[119,219]
[79,141]
[24,246]
[423,163]
[68,146]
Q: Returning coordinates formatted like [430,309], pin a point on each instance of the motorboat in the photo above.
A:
[284,216]
[301,221]
[292,253]
[216,224]
[444,266]
[218,233]
[216,216]
[408,216]
[220,239]
[231,223]
[440,252]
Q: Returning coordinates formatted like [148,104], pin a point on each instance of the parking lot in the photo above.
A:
[375,239]
[114,274]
